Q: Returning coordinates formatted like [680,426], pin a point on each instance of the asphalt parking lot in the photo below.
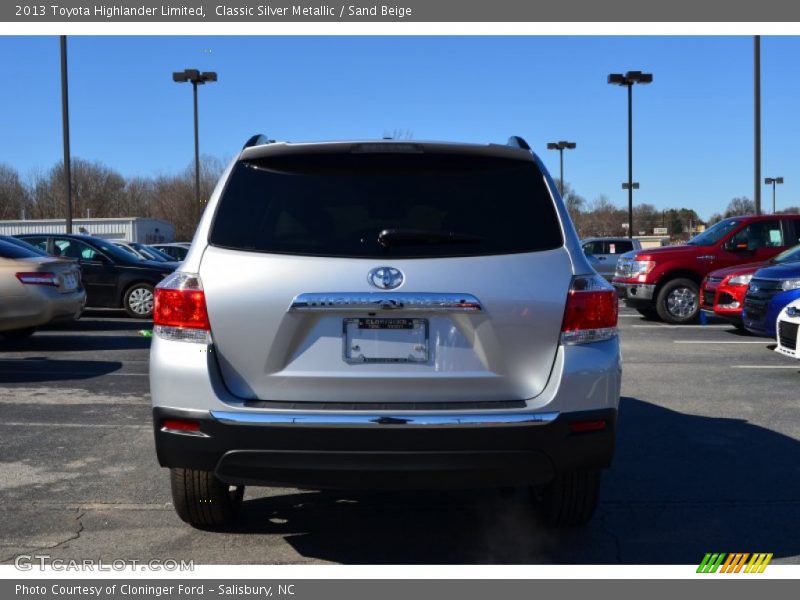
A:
[708,455]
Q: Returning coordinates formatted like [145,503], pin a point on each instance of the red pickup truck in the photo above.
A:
[665,282]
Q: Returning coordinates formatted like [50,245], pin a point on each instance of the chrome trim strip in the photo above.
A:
[427,301]
[377,420]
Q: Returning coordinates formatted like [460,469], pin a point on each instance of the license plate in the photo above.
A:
[374,340]
[70,282]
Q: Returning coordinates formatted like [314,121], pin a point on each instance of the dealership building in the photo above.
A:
[133,229]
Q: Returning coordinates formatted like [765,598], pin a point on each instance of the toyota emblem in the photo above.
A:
[385,278]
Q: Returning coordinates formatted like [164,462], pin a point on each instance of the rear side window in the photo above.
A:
[431,205]
[760,234]
[620,247]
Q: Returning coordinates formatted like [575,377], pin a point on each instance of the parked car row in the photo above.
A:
[36,289]
[666,282]
[752,295]
[51,277]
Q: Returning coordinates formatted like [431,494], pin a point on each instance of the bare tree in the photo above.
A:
[574,202]
[14,196]
[645,218]
[740,207]
[603,219]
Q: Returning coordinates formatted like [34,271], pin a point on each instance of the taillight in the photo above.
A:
[38,278]
[180,309]
[592,310]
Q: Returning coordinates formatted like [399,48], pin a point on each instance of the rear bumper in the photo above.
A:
[41,307]
[362,451]
[635,295]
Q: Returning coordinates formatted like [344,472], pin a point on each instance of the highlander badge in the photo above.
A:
[385,278]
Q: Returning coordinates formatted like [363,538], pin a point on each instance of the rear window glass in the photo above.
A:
[9,250]
[432,204]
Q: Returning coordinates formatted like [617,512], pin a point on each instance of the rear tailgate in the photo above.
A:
[266,351]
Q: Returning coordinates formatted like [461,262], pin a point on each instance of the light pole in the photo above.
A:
[561,146]
[628,80]
[196,78]
[772,181]
[757,121]
[65,131]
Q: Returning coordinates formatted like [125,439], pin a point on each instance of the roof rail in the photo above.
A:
[516,141]
[257,140]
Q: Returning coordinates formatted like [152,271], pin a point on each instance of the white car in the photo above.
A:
[786,329]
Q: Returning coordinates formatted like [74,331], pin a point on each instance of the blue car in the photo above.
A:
[770,290]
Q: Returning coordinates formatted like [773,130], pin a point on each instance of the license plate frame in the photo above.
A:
[379,340]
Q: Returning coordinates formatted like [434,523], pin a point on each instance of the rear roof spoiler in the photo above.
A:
[257,140]
[516,141]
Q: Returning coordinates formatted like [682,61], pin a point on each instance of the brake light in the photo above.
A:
[38,279]
[592,311]
[180,309]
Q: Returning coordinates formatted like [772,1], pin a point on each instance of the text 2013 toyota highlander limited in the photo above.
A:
[385,314]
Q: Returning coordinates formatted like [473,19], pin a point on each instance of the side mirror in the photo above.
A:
[733,246]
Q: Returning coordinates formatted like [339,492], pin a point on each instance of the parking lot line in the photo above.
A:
[796,367]
[767,341]
[665,326]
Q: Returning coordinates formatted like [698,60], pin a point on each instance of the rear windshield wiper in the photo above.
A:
[399,237]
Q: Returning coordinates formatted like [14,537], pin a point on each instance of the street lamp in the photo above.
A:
[772,181]
[561,146]
[196,78]
[628,80]
[65,132]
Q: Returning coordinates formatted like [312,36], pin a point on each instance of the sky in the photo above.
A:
[693,126]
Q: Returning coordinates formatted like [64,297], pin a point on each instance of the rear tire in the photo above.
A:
[570,499]
[678,302]
[139,300]
[18,334]
[204,501]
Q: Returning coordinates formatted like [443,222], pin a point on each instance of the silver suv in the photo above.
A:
[389,314]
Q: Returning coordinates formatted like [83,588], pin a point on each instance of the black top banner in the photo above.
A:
[404,11]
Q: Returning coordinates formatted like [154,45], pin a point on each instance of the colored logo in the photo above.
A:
[734,563]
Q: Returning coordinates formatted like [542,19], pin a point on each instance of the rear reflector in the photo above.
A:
[38,279]
[179,425]
[180,309]
[586,426]
[591,312]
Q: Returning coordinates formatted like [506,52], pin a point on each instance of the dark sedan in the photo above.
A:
[112,277]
